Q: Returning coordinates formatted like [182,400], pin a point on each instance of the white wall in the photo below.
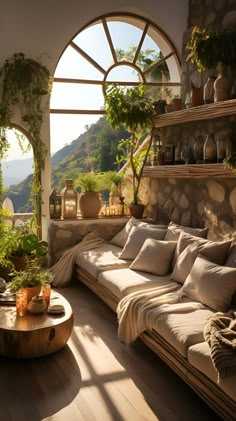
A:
[42,29]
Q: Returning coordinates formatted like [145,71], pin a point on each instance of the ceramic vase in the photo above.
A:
[222,85]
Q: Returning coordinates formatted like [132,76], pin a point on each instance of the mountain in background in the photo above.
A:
[15,171]
[94,150]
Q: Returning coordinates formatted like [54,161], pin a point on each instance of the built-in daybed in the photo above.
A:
[142,257]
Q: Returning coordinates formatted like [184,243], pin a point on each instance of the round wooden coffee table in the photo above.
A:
[33,336]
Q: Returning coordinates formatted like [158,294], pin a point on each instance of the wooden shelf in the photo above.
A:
[189,171]
[194,114]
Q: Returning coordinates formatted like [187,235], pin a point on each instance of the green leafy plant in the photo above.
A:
[19,241]
[132,109]
[206,49]
[24,82]
[32,276]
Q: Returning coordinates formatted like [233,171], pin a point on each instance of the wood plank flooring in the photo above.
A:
[95,377]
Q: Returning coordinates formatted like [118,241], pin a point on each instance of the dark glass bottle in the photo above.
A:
[209,150]
[198,150]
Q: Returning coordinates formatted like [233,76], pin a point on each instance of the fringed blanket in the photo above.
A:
[63,269]
[220,334]
[141,310]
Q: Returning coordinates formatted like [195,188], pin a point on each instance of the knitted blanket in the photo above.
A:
[142,310]
[220,334]
[63,269]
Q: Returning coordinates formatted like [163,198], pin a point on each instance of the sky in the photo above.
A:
[65,128]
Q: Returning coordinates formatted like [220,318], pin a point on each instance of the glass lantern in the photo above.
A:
[69,201]
[55,204]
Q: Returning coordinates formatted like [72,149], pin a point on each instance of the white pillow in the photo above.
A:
[210,284]
[215,251]
[136,239]
[154,257]
[174,231]
[121,237]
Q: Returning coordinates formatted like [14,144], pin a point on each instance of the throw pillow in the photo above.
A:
[215,251]
[121,237]
[210,284]
[231,259]
[136,239]
[154,257]
[174,231]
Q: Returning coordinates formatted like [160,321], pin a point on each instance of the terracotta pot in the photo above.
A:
[32,292]
[90,204]
[177,104]
[197,97]
[136,210]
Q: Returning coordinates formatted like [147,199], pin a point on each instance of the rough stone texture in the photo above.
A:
[201,208]
[216,191]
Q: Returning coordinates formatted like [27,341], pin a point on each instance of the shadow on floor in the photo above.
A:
[37,388]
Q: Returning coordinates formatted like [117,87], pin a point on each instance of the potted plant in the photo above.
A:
[90,201]
[18,244]
[133,110]
[31,279]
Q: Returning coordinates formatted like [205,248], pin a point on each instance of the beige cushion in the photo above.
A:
[199,356]
[155,257]
[122,236]
[137,237]
[124,281]
[174,231]
[210,284]
[105,257]
[181,330]
[214,251]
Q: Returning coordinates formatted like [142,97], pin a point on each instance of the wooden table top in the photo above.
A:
[30,322]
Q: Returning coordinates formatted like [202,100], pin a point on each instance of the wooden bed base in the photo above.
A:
[216,398]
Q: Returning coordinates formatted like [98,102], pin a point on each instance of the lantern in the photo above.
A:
[55,204]
[69,201]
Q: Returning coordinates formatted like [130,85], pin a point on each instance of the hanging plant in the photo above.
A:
[206,49]
[24,83]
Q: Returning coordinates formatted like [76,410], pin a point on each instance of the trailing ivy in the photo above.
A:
[24,83]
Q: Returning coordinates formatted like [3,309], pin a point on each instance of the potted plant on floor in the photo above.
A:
[132,109]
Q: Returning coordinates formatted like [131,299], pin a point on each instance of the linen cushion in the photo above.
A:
[136,239]
[105,257]
[154,257]
[189,247]
[174,231]
[124,281]
[210,284]
[183,329]
[121,237]
[231,259]
[199,356]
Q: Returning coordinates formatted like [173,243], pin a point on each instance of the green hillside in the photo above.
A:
[95,150]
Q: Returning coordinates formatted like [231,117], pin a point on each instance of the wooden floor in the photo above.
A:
[95,377]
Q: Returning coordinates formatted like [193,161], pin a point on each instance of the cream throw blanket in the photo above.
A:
[63,269]
[220,334]
[141,310]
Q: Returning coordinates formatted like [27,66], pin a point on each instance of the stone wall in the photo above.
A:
[202,202]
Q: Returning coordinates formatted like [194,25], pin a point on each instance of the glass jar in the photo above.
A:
[198,150]
[208,92]
[69,201]
[209,150]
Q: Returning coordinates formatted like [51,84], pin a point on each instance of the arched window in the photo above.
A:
[121,48]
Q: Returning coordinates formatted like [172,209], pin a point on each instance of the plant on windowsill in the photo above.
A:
[133,110]
[91,184]
[24,83]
